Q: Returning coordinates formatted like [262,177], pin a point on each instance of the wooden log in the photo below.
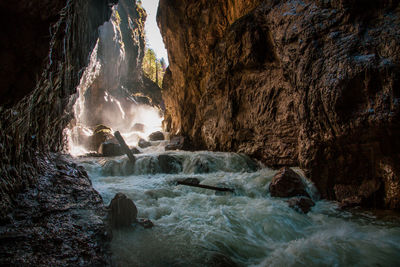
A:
[125,147]
[221,189]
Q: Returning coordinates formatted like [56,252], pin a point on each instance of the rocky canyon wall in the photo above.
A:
[310,83]
[43,62]
[119,56]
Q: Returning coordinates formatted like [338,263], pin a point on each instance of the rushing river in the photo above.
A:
[197,227]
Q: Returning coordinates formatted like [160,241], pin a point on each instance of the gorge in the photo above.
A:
[251,87]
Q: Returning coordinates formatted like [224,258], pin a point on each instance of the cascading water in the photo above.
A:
[102,95]
[198,227]
[195,227]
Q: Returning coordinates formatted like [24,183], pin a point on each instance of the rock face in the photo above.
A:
[118,83]
[44,222]
[309,83]
[287,183]
[59,222]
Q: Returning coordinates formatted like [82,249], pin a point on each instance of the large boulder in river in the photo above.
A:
[100,135]
[110,149]
[301,204]
[287,183]
[143,143]
[156,136]
[122,211]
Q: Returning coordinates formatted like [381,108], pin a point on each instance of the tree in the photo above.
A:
[153,67]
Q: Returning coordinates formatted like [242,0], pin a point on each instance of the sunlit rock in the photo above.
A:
[156,136]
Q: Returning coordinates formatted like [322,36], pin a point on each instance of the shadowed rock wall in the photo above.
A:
[68,31]
[309,83]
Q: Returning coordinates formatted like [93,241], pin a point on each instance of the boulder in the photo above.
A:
[138,127]
[169,164]
[110,149]
[146,223]
[219,260]
[100,135]
[156,136]
[122,211]
[143,143]
[287,183]
[301,204]
[135,150]
[176,143]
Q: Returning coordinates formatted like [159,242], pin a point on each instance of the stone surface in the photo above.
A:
[301,204]
[110,149]
[59,222]
[100,135]
[169,164]
[287,183]
[156,136]
[176,143]
[143,143]
[122,211]
[48,217]
[293,83]
[120,81]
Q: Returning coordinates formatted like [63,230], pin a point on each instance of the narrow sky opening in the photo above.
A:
[153,35]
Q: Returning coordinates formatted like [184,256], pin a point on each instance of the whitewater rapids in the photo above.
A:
[194,226]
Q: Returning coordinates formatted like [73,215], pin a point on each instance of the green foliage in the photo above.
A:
[154,68]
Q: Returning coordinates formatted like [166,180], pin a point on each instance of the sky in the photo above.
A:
[154,39]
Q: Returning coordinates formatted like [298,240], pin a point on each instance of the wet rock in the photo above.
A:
[146,223]
[368,194]
[138,127]
[176,143]
[135,150]
[100,135]
[169,164]
[287,183]
[143,143]
[122,211]
[219,260]
[110,149]
[301,204]
[265,84]
[156,136]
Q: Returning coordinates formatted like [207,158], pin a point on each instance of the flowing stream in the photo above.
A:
[198,227]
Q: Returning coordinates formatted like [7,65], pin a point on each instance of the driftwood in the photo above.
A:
[221,189]
[125,147]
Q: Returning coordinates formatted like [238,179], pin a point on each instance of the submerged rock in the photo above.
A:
[143,143]
[301,204]
[219,260]
[122,211]
[156,136]
[287,183]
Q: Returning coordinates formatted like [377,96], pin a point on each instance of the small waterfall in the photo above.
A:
[105,92]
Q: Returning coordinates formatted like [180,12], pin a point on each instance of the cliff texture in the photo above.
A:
[120,52]
[309,83]
[43,62]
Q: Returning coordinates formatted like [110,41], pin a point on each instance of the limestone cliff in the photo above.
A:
[310,83]
[43,61]
[120,52]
